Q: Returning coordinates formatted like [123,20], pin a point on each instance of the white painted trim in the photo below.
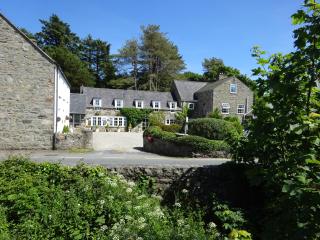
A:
[55,112]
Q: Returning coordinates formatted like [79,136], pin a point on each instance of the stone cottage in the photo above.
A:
[230,95]
[101,106]
[34,93]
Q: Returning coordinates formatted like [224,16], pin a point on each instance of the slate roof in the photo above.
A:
[128,96]
[77,103]
[212,85]
[186,89]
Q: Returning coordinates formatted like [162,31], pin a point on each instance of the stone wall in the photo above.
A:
[161,147]
[228,182]
[26,93]
[82,138]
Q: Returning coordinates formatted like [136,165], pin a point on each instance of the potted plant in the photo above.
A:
[129,127]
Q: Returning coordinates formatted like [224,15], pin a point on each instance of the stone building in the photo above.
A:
[98,107]
[34,93]
[231,96]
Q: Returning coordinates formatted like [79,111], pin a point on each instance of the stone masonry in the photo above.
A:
[26,93]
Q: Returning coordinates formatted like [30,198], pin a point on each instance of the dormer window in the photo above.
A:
[97,103]
[118,103]
[139,103]
[191,106]
[156,105]
[233,88]
[172,106]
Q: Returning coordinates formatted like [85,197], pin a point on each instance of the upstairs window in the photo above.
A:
[156,105]
[97,103]
[172,106]
[191,106]
[233,88]
[225,107]
[139,103]
[118,103]
[241,109]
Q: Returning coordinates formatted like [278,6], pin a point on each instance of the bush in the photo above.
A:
[214,129]
[65,129]
[49,201]
[196,143]
[134,116]
[215,114]
[156,119]
[171,128]
[236,123]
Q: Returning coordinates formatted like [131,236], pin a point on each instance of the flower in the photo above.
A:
[129,190]
[177,204]
[131,184]
[211,225]
[180,222]
[185,191]
[141,220]
[103,228]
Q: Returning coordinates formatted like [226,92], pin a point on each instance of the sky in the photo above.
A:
[200,28]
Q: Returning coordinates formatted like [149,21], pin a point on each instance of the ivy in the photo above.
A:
[134,116]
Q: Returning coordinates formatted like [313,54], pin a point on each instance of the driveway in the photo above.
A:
[117,141]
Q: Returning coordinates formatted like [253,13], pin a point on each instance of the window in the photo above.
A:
[233,88]
[241,109]
[156,105]
[118,122]
[139,104]
[225,107]
[172,106]
[97,103]
[99,121]
[191,106]
[170,121]
[118,103]
[94,121]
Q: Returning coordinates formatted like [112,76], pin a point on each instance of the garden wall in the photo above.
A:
[79,139]
[155,145]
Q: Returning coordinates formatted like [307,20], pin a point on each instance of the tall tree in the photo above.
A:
[96,53]
[129,55]
[57,33]
[160,58]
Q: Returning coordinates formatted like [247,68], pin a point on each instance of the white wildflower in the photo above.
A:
[177,205]
[141,220]
[101,201]
[211,225]
[115,237]
[185,191]
[139,238]
[141,196]
[129,190]
[131,184]
[137,207]
[142,226]
[180,222]
[103,228]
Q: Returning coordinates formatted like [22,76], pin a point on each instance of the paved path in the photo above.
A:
[112,158]
[117,141]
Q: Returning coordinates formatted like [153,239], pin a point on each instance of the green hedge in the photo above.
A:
[171,128]
[197,143]
[214,129]
[134,116]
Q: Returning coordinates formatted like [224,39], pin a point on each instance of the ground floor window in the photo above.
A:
[225,107]
[241,109]
[170,121]
[76,119]
[111,121]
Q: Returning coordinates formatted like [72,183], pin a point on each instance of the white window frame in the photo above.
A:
[235,86]
[97,103]
[172,106]
[116,105]
[189,106]
[242,109]
[137,103]
[225,106]
[170,121]
[112,121]
[154,103]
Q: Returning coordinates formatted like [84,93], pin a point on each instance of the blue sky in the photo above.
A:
[200,28]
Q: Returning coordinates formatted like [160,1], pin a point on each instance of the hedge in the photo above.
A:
[214,129]
[196,143]
[171,128]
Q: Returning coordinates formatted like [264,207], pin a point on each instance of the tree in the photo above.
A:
[121,83]
[129,54]
[28,34]
[56,33]
[96,53]
[75,70]
[284,136]
[191,76]
[160,58]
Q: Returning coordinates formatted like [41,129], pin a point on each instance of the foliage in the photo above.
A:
[134,116]
[182,115]
[196,143]
[191,76]
[74,69]
[284,136]
[236,123]
[49,201]
[156,119]
[171,128]
[215,129]
[215,67]
[215,114]
[121,83]
[65,129]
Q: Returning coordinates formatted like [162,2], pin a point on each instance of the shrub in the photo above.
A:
[65,129]
[214,129]
[171,128]
[49,201]
[134,116]
[156,119]
[215,114]
[236,123]
[196,143]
